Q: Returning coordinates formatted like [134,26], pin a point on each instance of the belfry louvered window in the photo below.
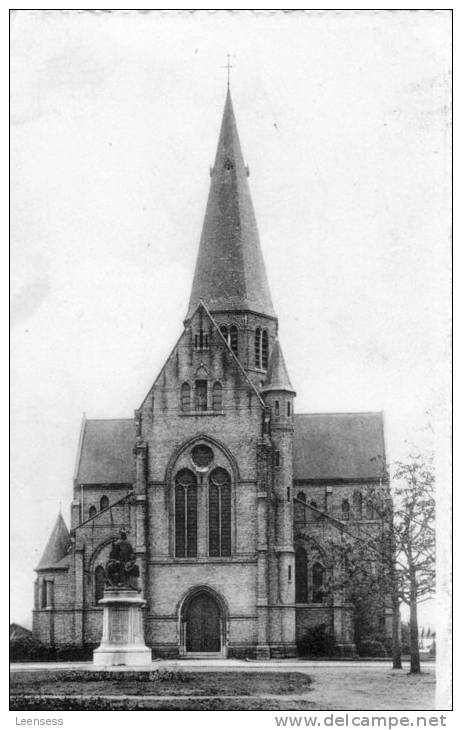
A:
[185,514]
[258,347]
[345,510]
[264,350]
[201,340]
[233,338]
[219,513]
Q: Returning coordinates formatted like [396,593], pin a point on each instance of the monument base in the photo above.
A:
[122,643]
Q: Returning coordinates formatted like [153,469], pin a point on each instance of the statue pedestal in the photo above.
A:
[123,642]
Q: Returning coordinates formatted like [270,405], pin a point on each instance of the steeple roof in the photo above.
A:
[277,377]
[57,545]
[230,271]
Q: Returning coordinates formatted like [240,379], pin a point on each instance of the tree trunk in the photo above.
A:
[413,624]
[395,630]
[396,619]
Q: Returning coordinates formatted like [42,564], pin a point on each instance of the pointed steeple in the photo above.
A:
[57,545]
[277,377]
[230,271]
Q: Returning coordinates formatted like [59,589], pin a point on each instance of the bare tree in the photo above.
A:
[414,536]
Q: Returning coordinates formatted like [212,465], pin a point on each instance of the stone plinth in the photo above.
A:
[123,642]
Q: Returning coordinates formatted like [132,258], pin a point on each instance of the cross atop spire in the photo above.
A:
[228,67]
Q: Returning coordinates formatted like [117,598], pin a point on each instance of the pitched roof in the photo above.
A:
[106,452]
[230,272]
[277,377]
[339,446]
[57,546]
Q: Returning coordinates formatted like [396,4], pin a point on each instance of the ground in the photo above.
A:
[226,685]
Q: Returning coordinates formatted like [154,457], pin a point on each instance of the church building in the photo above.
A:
[228,495]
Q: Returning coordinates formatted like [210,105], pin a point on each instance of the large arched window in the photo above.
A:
[258,347]
[103,503]
[185,514]
[345,510]
[358,504]
[92,511]
[99,583]
[224,332]
[219,513]
[318,582]
[233,338]
[301,576]
[185,397]
[217,397]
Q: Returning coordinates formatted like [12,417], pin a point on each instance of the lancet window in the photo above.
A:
[219,513]
[185,514]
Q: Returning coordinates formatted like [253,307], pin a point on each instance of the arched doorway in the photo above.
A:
[202,625]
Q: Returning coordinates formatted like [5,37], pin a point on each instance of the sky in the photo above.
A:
[344,122]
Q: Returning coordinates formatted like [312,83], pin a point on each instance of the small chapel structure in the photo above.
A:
[227,494]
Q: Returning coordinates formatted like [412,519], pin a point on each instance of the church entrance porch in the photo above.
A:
[202,625]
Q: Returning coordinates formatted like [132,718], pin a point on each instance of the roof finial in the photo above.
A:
[228,66]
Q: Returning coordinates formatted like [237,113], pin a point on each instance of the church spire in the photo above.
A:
[230,272]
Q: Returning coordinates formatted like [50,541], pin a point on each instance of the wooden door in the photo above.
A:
[203,625]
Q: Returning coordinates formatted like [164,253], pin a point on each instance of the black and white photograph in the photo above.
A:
[231,364]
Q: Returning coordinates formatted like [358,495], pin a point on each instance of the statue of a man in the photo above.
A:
[121,568]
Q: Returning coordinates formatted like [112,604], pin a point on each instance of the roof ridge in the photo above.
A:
[340,413]
[108,419]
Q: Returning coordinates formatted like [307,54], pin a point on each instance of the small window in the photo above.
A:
[369,510]
[299,509]
[104,503]
[277,458]
[264,350]
[301,576]
[92,511]
[233,338]
[258,347]
[313,504]
[201,395]
[345,510]
[202,455]
[288,408]
[358,504]
[289,572]
[217,397]
[185,397]
[43,594]
[288,494]
[276,408]
[318,582]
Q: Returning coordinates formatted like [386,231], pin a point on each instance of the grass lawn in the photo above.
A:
[90,690]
